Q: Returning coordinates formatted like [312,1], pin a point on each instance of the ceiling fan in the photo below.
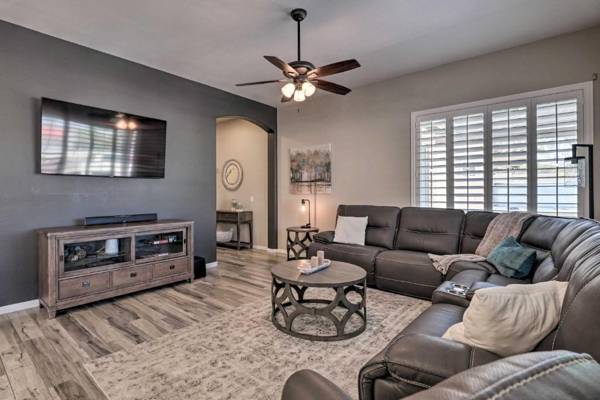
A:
[301,77]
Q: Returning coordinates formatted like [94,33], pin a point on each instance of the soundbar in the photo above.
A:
[119,219]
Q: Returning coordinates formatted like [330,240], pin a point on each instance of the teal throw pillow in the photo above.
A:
[511,259]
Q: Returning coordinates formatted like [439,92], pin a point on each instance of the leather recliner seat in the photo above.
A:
[418,358]
[380,236]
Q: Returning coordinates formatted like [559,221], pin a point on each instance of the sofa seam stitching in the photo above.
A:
[411,283]
[472,358]
[538,375]
[414,368]
[430,233]
[414,383]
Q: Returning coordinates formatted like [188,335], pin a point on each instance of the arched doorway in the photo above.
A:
[249,193]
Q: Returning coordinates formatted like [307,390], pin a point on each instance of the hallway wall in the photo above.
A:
[247,143]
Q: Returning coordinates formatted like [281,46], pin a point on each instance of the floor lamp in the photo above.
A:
[574,159]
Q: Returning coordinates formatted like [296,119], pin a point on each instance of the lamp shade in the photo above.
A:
[288,90]
[308,88]
[299,95]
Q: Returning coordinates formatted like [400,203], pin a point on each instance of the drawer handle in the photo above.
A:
[172,267]
[133,274]
[86,284]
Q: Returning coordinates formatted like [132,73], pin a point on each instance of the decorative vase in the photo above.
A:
[112,246]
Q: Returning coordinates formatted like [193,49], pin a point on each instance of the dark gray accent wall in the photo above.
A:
[33,65]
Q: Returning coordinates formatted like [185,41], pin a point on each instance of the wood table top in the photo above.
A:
[302,229]
[337,274]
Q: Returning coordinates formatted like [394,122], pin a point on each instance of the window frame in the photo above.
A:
[582,91]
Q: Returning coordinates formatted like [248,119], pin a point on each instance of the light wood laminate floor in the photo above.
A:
[42,358]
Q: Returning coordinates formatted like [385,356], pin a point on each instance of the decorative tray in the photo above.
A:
[306,269]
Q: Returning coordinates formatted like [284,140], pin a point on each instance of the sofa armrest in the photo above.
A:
[324,237]
[309,385]
[538,375]
[477,286]
[418,361]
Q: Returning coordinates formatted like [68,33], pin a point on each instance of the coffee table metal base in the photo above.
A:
[288,300]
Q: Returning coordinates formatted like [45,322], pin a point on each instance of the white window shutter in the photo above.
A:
[509,159]
[431,163]
[556,130]
[468,161]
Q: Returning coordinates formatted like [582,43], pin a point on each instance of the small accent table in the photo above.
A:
[298,240]
[288,301]
[238,218]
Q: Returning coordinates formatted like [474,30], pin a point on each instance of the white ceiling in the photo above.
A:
[221,42]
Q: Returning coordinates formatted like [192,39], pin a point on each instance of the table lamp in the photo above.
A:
[303,208]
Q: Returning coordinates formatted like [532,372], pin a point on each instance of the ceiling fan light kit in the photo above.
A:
[301,77]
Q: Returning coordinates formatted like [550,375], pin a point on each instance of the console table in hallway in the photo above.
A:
[238,218]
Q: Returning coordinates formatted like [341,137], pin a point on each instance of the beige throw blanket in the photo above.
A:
[442,263]
[501,227]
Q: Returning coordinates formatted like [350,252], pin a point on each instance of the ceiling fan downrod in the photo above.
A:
[298,15]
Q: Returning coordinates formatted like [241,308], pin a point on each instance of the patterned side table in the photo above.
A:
[298,240]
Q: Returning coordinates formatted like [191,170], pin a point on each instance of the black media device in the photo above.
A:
[120,219]
[90,141]
[199,267]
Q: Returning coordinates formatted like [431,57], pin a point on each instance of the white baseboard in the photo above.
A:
[278,251]
[213,264]
[19,306]
[270,250]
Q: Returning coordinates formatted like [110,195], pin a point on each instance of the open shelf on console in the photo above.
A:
[159,245]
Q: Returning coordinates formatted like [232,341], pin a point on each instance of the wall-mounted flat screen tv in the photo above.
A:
[82,140]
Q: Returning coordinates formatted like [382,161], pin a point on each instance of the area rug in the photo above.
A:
[241,355]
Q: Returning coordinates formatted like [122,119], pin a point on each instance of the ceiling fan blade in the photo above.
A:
[260,82]
[331,87]
[335,68]
[282,65]
[285,99]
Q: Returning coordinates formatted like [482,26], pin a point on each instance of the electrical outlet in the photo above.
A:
[251,199]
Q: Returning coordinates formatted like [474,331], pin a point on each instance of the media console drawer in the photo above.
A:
[73,287]
[171,267]
[131,276]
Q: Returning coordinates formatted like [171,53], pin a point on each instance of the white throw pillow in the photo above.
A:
[351,230]
[510,320]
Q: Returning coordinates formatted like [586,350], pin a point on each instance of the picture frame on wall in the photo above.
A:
[310,169]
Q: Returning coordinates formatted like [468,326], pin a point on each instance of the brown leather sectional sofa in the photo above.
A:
[395,258]
[554,375]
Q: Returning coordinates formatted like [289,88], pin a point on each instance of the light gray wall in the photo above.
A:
[247,143]
[33,65]
[370,128]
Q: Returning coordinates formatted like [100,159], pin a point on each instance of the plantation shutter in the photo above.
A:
[431,163]
[509,159]
[468,161]
[504,154]
[557,129]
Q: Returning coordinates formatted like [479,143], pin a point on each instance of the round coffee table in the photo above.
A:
[289,287]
